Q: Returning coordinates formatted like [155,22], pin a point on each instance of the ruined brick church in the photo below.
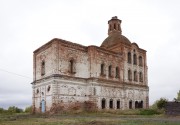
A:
[112,76]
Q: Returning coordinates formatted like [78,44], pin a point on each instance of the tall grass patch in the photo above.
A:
[149,112]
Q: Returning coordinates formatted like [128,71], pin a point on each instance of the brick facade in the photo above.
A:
[112,76]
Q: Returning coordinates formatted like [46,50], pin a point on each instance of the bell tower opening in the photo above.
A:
[114,25]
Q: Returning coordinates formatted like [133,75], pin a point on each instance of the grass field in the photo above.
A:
[84,118]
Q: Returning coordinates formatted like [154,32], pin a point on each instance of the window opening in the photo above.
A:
[135,59]
[111,104]
[110,70]
[129,75]
[129,57]
[42,68]
[103,103]
[115,26]
[117,72]
[140,77]
[118,104]
[135,75]
[130,104]
[140,61]
[102,69]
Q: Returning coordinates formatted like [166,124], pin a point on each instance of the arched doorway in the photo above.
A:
[43,107]
[111,104]
[130,104]
[103,103]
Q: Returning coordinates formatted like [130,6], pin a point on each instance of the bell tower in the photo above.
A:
[114,25]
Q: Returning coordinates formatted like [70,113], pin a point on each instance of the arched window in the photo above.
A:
[102,69]
[134,59]
[136,104]
[49,88]
[43,68]
[135,75]
[94,91]
[110,71]
[140,61]
[115,26]
[130,104]
[118,26]
[140,77]
[103,103]
[141,104]
[129,57]
[117,72]
[110,28]
[72,66]
[37,91]
[118,104]
[129,75]
[111,104]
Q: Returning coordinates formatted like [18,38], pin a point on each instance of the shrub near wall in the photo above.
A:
[149,112]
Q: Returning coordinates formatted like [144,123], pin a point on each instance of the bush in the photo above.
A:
[13,109]
[149,112]
[28,109]
[159,104]
[1,110]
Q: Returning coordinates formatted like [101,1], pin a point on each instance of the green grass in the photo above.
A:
[89,118]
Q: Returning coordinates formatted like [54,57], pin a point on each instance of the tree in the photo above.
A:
[28,109]
[1,110]
[161,103]
[13,109]
[178,96]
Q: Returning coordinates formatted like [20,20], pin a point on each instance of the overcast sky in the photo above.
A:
[25,25]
